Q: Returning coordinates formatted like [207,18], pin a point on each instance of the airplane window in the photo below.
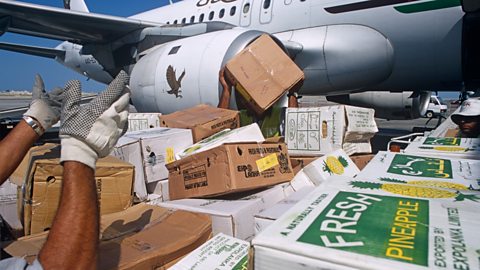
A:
[210,16]
[232,11]
[266,4]
[246,7]
[192,19]
[184,20]
[222,12]
[175,22]
[200,19]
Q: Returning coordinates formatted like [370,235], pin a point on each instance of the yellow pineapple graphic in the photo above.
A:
[446,148]
[335,165]
[429,183]
[414,191]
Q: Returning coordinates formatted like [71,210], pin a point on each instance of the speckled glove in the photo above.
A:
[45,107]
[90,131]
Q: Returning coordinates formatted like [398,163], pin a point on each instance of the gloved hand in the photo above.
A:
[45,107]
[91,131]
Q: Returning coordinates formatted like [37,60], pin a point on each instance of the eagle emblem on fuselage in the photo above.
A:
[174,84]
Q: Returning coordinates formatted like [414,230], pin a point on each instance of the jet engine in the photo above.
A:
[183,73]
[389,105]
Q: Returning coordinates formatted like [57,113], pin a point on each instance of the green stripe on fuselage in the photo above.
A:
[427,6]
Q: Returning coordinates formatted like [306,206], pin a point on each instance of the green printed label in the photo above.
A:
[242,265]
[442,141]
[421,166]
[380,226]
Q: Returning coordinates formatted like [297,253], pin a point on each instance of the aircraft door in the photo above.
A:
[245,16]
[266,11]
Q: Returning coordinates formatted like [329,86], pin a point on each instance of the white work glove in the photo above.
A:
[45,107]
[90,131]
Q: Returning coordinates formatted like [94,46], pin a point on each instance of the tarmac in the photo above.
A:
[387,128]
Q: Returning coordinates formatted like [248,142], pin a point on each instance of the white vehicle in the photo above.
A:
[436,107]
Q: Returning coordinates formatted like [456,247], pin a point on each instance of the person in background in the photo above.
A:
[87,133]
[269,122]
[467,117]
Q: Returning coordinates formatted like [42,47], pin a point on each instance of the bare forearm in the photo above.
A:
[73,239]
[14,147]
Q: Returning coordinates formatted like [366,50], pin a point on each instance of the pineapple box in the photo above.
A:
[222,252]
[315,131]
[416,169]
[333,163]
[444,146]
[341,227]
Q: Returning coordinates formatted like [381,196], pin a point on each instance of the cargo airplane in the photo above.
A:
[351,49]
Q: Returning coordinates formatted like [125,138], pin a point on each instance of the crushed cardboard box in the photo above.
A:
[361,160]
[263,73]
[422,170]
[141,237]
[203,120]
[142,121]
[467,148]
[299,162]
[229,168]
[315,131]
[41,193]
[372,228]
[249,133]
[222,252]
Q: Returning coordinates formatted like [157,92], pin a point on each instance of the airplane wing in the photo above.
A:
[33,50]
[62,24]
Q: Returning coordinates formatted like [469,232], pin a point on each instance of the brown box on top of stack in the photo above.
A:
[43,181]
[229,168]
[203,120]
[141,237]
[263,73]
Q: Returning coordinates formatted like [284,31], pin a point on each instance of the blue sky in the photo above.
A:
[17,70]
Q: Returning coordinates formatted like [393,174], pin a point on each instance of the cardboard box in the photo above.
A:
[299,162]
[8,207]
[43,188]
[168,236]
[334,163]
[385,167]
[142,121]
[222,252]
[263,72]
[266,217]
[315,131]
[361,160]
[249,133]
[371,229]
[232,214]
[203,120]
[159,188]
[129,150]
[20,174]
[467,148]
[229,168]
[155,146]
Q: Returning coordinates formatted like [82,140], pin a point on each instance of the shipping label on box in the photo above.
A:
[142,121]
[250,133]
[375,229]
[263,72]
[459,174]
[468,148]
[229,168]
[222,252]
[203,120]
[157,145]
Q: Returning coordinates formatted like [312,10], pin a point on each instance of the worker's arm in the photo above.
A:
[44,111]
[224,101]
[87,133]
[73,239]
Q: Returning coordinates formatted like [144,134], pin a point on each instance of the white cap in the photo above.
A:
[470,107]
